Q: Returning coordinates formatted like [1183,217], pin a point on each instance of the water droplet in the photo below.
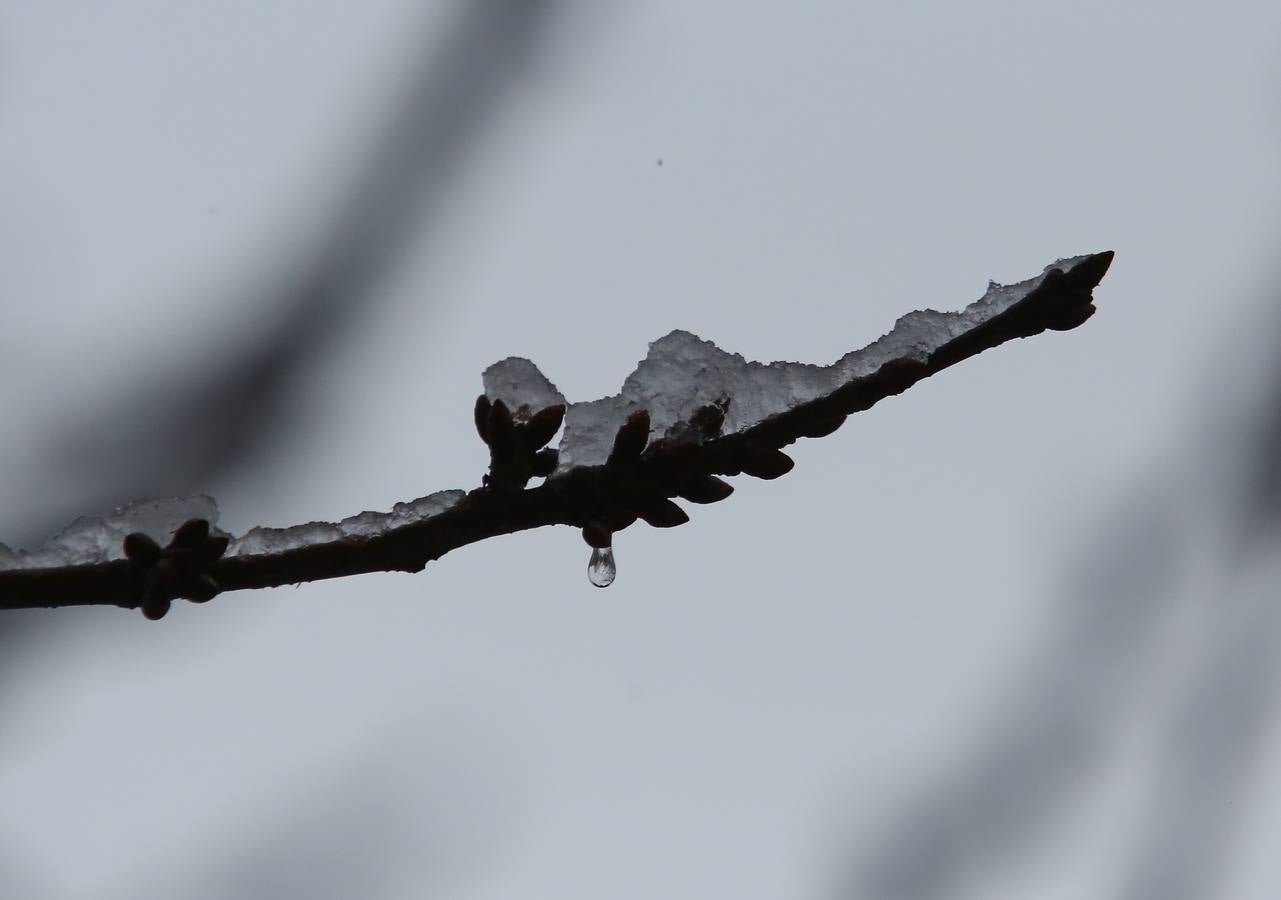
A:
[600,568]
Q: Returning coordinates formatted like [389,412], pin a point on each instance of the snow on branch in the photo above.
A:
[687,415]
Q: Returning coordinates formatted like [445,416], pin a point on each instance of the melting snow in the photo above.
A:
[259,541]
[683,373]
[95,539]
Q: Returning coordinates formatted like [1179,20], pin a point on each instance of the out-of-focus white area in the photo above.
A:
[987,640]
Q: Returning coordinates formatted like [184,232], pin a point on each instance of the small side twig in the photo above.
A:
[179,570]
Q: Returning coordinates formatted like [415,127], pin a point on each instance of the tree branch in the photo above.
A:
[637,481]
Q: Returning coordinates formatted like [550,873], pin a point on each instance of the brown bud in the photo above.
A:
[543,425]
[898,375]
[213,548]
[706,489]
[765,462]
[155,610]
[545,461]
[1071,318]
[1053,279]
[663,513]
[482,417]
[191,534]
[632,437]
[823,427]
[597,534]
[141,549]
[502,430]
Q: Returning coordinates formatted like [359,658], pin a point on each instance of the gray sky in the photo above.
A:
[763,693]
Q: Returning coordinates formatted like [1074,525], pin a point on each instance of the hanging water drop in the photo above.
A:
[600,568]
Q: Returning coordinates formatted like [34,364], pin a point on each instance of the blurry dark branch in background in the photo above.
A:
[180,433]
[1213,741]
[1008,794]
[1030,775]
[1209,751]
[1259,524]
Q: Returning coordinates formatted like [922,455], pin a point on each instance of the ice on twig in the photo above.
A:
[261,541]
[97,539]
[521,386]
[683,373]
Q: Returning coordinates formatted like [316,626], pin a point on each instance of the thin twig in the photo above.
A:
[583,497]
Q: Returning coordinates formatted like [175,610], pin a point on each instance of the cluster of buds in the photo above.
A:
[640,479]
[180,569]
[518,448]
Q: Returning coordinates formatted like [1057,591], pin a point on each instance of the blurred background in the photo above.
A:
[1013,633]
